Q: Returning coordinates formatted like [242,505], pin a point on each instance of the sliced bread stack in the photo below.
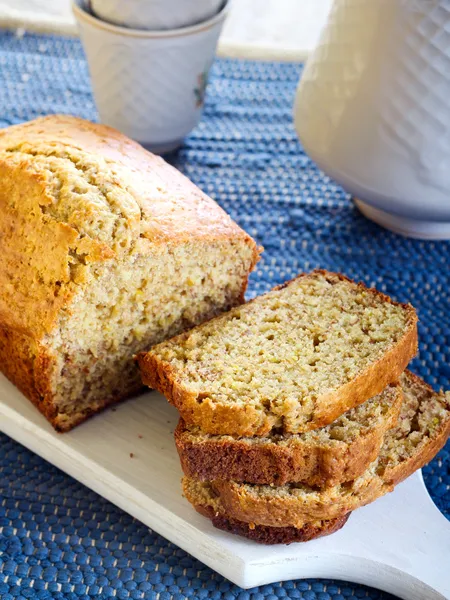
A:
[296,408]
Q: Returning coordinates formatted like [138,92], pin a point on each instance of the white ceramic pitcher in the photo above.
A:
[373,110]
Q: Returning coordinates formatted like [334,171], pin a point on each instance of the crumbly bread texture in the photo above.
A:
[106,250]
[294,359]
[327,456]
[423,428]
[271,535]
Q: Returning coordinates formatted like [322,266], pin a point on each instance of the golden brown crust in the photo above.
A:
[34,288]
[172,208]
[41,253]
[272,535]
[247,420]
[303,461]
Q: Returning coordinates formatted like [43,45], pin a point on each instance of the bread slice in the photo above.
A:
[423,428]
[270,535]
[294,359]
[327,456]
[105,251]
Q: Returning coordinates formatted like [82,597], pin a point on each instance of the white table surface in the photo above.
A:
[260,29]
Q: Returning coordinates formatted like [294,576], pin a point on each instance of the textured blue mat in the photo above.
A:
[60,540]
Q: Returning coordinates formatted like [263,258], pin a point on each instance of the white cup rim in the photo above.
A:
[82,15]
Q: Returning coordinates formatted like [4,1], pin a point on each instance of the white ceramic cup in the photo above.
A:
[373,110]
[155,14]
[149,85]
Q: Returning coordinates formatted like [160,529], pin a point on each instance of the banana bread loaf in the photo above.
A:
[106,250]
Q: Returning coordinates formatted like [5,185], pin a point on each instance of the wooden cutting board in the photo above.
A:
[400,543]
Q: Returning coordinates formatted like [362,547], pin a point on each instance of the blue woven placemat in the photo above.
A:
[60,540]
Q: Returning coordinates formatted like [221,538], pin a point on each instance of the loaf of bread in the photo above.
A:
[293,360]
[422,430]
[327,456]
[106,250]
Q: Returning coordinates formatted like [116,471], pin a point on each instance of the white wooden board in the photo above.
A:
[400,544]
